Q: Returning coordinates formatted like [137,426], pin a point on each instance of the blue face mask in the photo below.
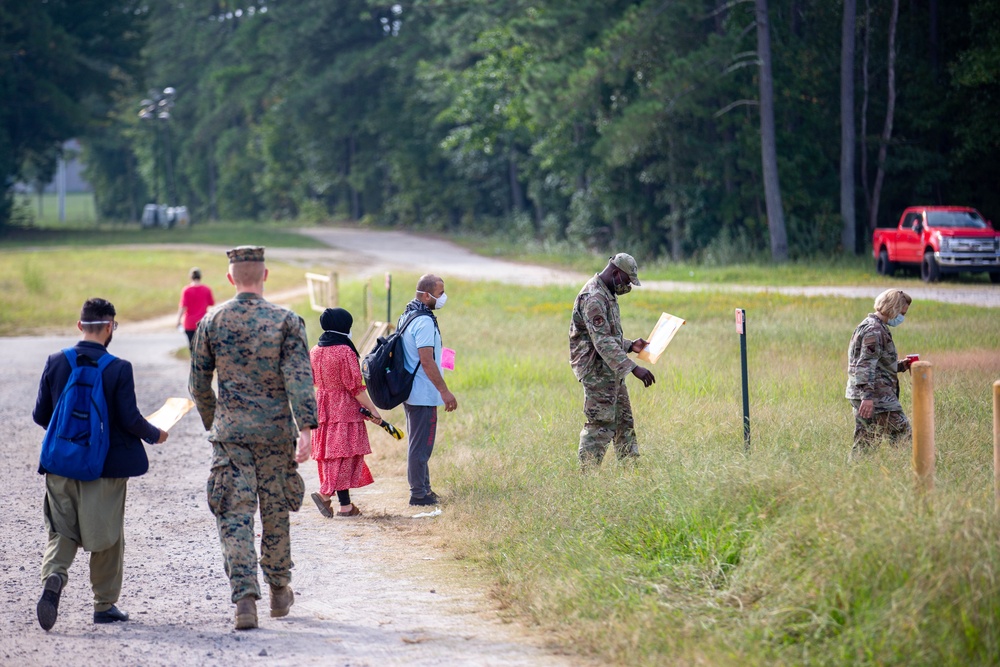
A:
[896,321]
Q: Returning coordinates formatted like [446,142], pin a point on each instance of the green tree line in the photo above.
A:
[681,128]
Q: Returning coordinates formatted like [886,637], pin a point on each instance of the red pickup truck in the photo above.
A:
[939,240]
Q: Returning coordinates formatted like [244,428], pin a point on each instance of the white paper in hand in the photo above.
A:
[171,412]
[664,331]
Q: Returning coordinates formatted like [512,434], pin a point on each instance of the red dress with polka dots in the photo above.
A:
[340,441]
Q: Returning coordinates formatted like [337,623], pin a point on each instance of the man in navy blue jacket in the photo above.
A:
[92,514]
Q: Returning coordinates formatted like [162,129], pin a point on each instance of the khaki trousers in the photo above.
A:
[86,514]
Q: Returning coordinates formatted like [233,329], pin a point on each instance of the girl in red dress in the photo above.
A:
[340,441]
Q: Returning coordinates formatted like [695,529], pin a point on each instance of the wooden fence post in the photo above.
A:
[996,443]
[923,424]
[333,293]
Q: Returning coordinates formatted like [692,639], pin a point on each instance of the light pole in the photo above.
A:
[157,107]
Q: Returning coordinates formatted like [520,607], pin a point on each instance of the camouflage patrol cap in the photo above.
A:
[626,263]
[246,253]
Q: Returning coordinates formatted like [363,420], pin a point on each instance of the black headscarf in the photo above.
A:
[336,323]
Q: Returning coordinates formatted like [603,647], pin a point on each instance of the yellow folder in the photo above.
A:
[664,331]
[171,412]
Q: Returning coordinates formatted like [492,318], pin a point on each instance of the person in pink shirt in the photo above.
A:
[340,441]
[195,300]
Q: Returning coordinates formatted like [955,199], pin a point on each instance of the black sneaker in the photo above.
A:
[48,605]
[429,499]
[113,615]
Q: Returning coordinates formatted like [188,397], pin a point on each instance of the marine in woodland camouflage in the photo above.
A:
[598,354]
[240,475]
[260,354]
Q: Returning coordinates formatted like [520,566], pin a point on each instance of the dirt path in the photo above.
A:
[378,590]
[386,250]
[374,591]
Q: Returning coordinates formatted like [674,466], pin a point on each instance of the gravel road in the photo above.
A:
[377,590]
[387,250]
[372,591]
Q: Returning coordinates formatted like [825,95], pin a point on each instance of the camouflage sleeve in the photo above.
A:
[867,364]
[607,342]
[200,378]
[296,368]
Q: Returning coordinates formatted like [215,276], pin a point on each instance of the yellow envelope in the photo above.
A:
[664,331]
[171,412]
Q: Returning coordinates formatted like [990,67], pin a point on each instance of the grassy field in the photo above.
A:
[699,555]
[42,290]
[80,209]
[270,234]
[858,270]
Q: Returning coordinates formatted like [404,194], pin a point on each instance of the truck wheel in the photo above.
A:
[929,271]
[882,265]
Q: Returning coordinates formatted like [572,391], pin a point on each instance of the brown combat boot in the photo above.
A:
[281,600]
[246,613]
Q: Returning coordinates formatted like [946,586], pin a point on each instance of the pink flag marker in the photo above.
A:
[447,358]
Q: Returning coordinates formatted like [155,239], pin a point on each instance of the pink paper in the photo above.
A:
[447,358]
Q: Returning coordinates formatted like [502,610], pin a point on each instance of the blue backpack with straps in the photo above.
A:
[77,439]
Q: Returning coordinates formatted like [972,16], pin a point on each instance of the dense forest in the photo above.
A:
[680,128]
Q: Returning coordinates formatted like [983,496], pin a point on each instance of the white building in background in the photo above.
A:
[74,170]
[75,182]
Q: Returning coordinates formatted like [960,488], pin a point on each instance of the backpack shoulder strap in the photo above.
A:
[102,363]
[105,361]
[415,315]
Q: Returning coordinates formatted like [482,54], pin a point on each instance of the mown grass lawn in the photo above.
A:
[42,290]
[274,235]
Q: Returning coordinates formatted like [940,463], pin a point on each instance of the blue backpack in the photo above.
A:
[77,439]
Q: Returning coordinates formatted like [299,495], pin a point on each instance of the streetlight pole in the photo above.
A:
[154,108]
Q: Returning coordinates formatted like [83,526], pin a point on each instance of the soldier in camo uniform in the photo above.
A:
[260,354]
[872,369]
[598,354]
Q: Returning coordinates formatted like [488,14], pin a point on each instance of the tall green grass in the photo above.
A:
[701,554]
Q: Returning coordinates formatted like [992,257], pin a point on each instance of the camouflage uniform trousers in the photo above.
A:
[242,474]
[868,433]
[609,418]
